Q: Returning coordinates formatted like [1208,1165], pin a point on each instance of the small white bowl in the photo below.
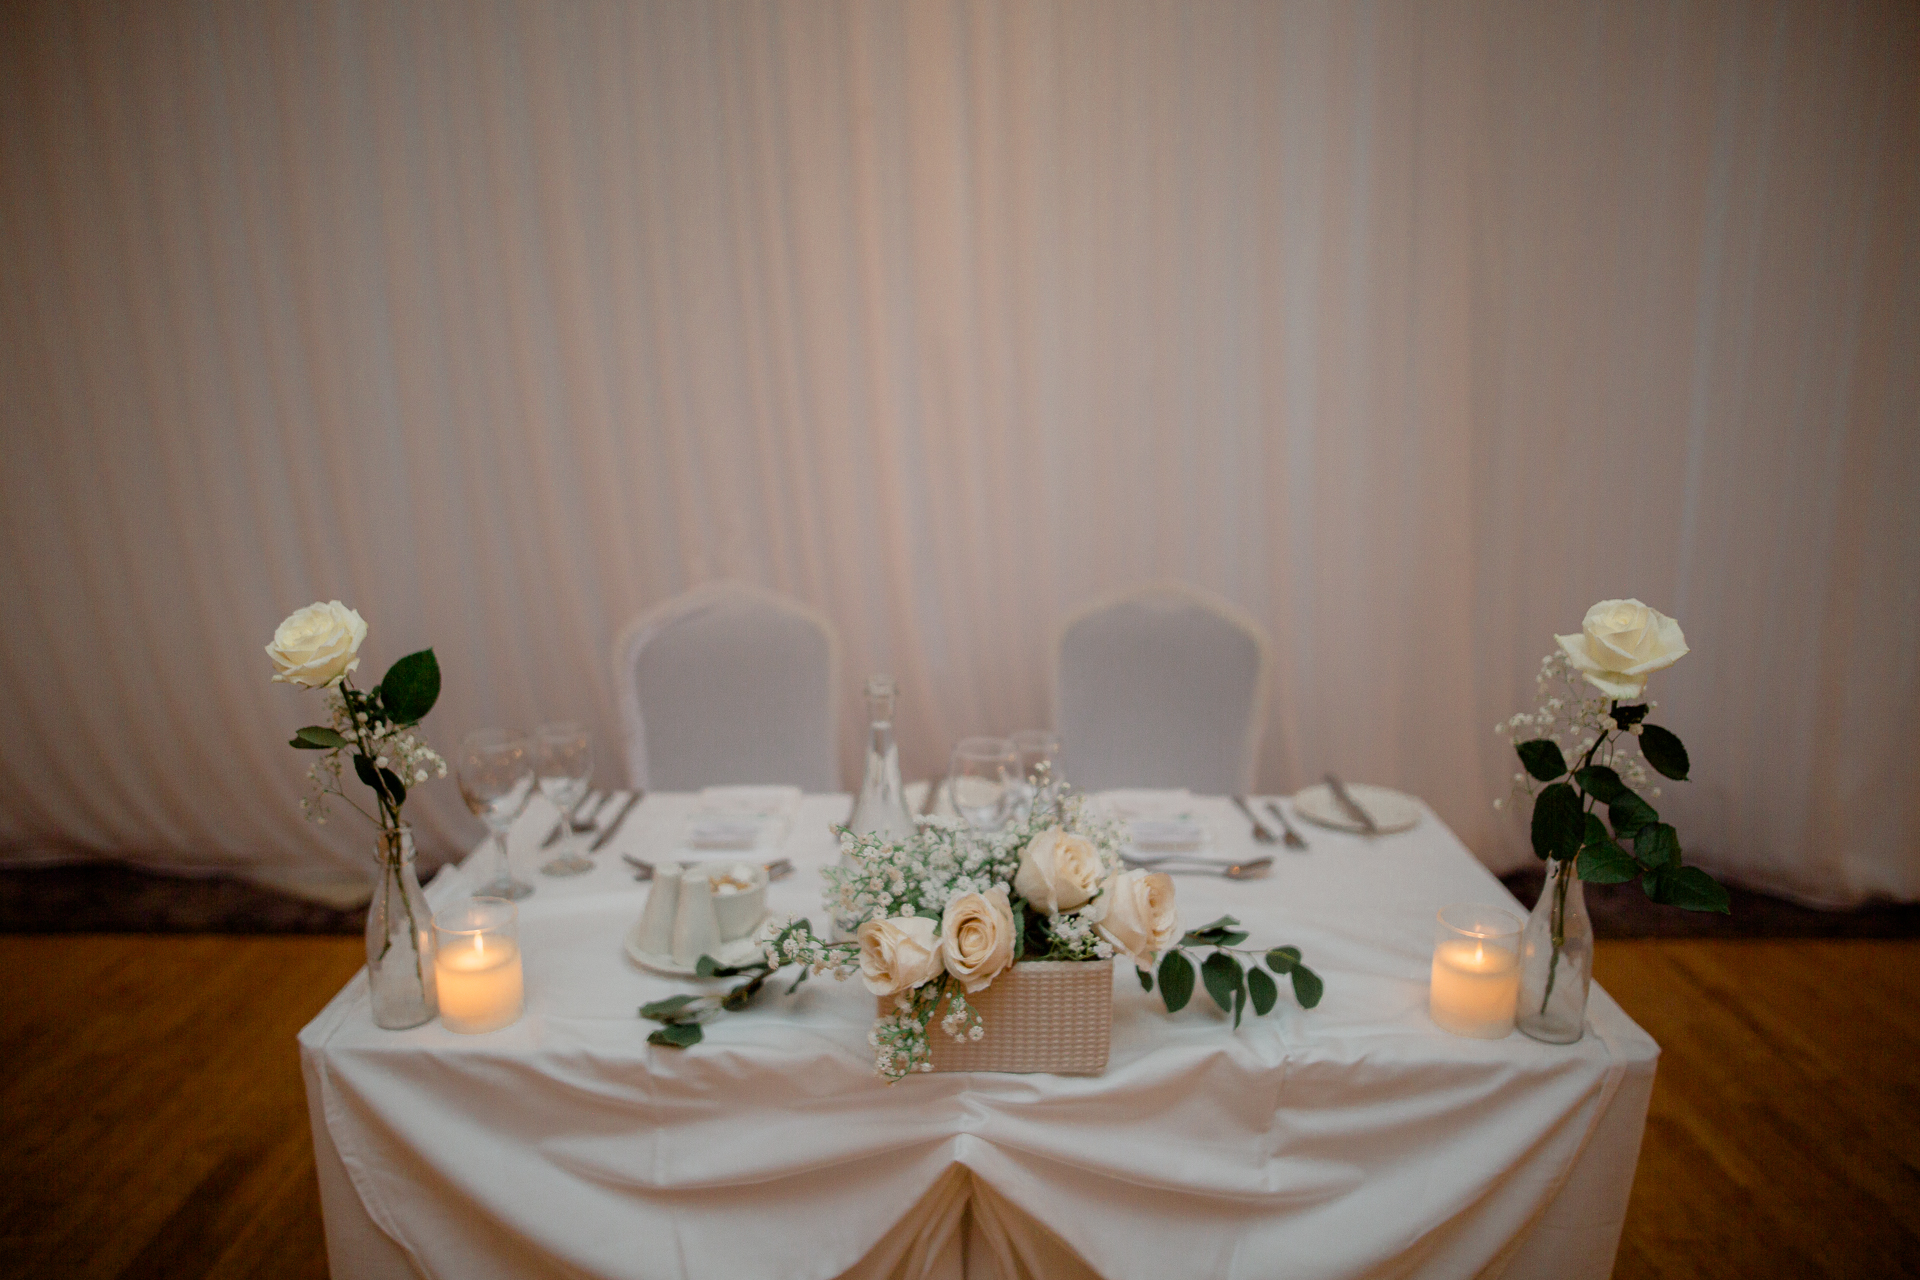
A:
[739,911]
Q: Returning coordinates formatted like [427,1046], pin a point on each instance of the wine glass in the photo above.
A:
[563,761]
[496,781]
[980,781]
[1039,751]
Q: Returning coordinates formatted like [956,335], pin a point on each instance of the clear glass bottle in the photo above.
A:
[1556,959]
[399,938]
[881,807]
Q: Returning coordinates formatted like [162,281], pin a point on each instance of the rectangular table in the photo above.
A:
[1352,1140]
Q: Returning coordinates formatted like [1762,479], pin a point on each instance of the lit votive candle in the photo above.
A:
[477,965]
[1476,971]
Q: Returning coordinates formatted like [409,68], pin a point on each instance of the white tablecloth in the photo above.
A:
[1352,1140]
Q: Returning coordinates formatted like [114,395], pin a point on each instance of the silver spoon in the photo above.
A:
[1233,871]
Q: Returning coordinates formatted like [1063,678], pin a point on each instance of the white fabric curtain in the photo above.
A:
[1412,329]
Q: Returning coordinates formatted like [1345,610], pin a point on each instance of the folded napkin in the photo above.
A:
[739,818]
[1159,821]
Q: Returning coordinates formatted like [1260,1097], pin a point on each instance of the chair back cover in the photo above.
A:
[1162,686]
[729,684]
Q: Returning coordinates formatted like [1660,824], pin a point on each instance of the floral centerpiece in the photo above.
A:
[948,911]
[377,730]
[1620,644]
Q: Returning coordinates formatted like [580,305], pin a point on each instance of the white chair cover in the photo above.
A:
[1162,686]
[729,684]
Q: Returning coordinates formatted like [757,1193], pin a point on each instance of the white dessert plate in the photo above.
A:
[739,951]
[1391,810]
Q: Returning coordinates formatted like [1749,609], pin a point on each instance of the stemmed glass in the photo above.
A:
[496,781]
[563,761]
[980,781]
[1039,779]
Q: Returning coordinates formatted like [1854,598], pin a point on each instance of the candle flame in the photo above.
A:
[1479,952]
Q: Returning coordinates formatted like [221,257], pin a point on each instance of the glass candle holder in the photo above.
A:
[476,965]
[1476,971]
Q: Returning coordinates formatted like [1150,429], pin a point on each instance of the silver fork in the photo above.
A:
[581,819]
[1260,832]
[1294,840]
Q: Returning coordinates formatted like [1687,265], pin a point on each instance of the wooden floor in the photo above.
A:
[152,1120]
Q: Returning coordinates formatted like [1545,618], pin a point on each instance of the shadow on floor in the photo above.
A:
[111,898]
[1623,911]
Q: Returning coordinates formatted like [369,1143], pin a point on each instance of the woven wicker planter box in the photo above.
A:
[1041,1015]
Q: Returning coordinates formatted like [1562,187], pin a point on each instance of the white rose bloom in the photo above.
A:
[1058,871]
[897,955]
[317,646]
[1140,918]
[977,935]
[1621,643]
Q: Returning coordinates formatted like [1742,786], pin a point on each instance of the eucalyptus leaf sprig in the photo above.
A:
[1233,984]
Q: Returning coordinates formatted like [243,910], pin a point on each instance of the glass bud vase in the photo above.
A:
[881,807]
[1556,959]
[399,938]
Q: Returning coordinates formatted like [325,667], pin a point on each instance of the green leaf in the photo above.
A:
[1307,987]
[411,687]
[305,746]
[1221,973]
[1176,981]
[1606,863]
[1210,935]
[1600,782]
[706,967]
[679,1035]
[1283,959]
[1624,716]
[1595,832]
[1146,979]
[383,781]
[1630,813]
[1657,845]
[1692,889]
[1542,758]
[1019,929]
[741,996]
[1664,752]
[1262,990]
[319,736]
[1558,823]
[1239,1005]
[666,1010]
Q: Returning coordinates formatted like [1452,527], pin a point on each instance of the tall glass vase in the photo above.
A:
[1556,959]
[881,807]
[399,938]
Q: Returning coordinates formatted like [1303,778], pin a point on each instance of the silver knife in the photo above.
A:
[607,832]
[1354,811]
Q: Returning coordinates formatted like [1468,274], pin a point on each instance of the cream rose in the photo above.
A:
[898,954]
[1058,871]
[976,934]
[1139,915]
[318,645]
[1621,643]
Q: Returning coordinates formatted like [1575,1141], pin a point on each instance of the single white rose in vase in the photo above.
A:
[1058,871]
[1140,918]
[977,936]
[317,646]
[1620,644]
[897,955]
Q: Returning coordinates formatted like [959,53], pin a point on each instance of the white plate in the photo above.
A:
[739,951]
[1391,810]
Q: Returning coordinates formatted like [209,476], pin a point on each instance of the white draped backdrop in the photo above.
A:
[1411,329]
